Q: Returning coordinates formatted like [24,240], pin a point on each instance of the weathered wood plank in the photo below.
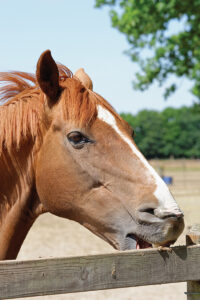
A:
[97,272]
[193,287]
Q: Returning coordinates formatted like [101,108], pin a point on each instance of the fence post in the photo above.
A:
[193,238]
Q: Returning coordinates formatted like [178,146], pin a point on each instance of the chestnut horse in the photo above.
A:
[65,150]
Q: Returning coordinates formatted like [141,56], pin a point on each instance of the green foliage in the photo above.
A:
[145,24]
[172,132]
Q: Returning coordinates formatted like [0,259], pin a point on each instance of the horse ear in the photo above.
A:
[84,78]
[48,76]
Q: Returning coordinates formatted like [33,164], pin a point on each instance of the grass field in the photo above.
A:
[52,237]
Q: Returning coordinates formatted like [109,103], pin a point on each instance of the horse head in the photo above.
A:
[90,170]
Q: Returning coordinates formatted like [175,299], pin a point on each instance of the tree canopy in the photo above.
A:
[158,50]
[170,133]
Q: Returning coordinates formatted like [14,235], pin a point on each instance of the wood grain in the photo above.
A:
[193,238]
[97,272]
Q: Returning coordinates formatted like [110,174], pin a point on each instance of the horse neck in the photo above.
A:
[19,202]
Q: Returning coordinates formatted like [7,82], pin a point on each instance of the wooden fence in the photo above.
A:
[107,271]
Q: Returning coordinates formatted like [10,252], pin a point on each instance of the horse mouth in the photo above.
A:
[135,242]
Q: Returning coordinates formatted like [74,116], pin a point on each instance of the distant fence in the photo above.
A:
[107,271]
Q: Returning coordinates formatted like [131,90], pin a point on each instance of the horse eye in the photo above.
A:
[77,139]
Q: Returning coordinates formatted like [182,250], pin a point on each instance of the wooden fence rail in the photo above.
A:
[106,271]
[97,272]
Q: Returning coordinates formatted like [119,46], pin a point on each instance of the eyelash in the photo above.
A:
[81,139]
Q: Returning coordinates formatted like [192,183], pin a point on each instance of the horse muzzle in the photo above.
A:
[151,229]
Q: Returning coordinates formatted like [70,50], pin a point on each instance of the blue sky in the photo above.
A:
[78,35]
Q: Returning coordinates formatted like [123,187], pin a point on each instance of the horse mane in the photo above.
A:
[21,111]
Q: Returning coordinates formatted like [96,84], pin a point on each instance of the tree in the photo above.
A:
[157,50]
[148,132]
[172,132]
[181,132]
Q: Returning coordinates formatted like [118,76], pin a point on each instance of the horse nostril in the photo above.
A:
[146,212]
[147,209]
[164,214]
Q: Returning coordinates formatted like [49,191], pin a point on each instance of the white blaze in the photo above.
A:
[162,193]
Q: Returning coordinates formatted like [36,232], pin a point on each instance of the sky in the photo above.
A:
[79,35]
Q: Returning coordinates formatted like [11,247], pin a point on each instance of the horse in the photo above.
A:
[65,150]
